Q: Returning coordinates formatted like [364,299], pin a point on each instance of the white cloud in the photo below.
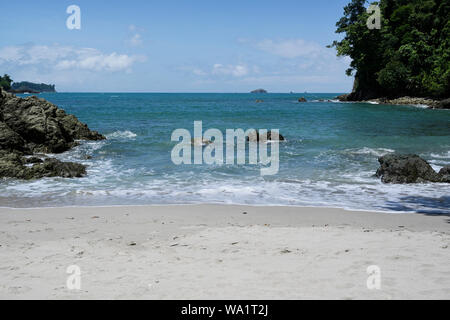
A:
[234,70]
[218,71]
[281,64]
[136,40]
[135,36]
[66,57]
[291,48]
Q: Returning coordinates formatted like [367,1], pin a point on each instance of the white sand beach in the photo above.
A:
[222,252]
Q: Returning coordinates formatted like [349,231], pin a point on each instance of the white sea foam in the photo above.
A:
[111,182]
[441,156]
[378,152]
[436,167]
[108,185]
[118,135]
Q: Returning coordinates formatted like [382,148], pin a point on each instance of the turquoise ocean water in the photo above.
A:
[329,158]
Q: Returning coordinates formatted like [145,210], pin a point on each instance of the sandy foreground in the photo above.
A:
[222,252]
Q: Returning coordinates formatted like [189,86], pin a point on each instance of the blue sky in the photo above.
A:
[175,46]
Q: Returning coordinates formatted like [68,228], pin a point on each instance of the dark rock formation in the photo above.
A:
[431,103]
[302,99]
[342,97]
[256,137]
[34,125]
[9,139]
[410,101]
[408,168]
[32,160]
[12,165]
[55,168]
[259,91]
[42,126]
[443,104]
[445,174]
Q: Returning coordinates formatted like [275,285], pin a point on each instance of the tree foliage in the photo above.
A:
[409,55]
[5,82]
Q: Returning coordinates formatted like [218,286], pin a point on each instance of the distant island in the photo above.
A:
[259,91]
[24,87]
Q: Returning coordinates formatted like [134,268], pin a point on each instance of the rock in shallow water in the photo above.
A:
[42,125]
[12,165]
[445,174]
[255,136]
[32,125]
[443,104]
[408,168]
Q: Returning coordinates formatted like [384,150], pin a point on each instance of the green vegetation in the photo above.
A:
[409,55]
[5,82]
[25,86]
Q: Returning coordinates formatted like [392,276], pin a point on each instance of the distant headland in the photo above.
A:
[24,86]
[405,61]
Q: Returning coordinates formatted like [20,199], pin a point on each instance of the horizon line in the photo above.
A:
[203,92]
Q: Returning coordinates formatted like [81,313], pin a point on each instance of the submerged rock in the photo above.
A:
[12,165]
[32,125]
[200,142]
[255,136]
[54,168]
[408,168]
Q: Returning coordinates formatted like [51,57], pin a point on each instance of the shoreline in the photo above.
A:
[386,219]
[428,103]
[221,252]
[348,209]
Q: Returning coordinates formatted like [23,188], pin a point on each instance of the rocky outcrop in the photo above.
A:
[255,136]
[13,165]
[342,97]
[445,174]
[32,125]
[443,104]
[410,101]
[431,103]
[410,168]
[42,126]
